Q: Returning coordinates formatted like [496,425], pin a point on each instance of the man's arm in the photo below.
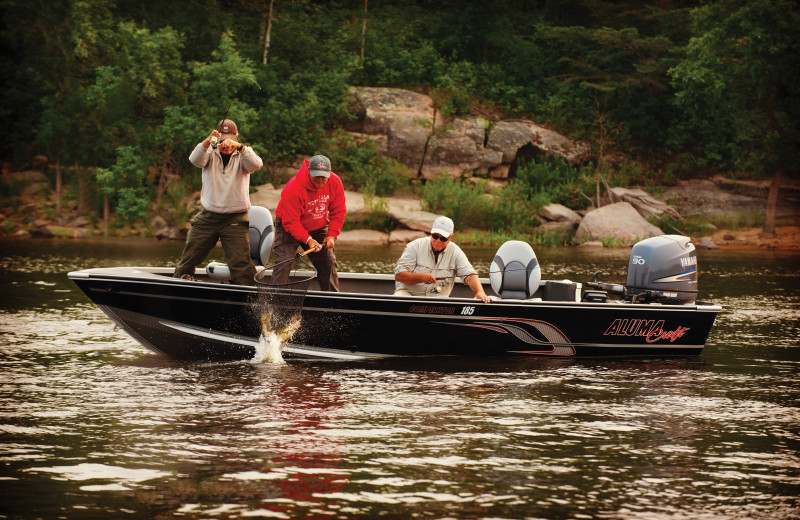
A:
[407,277]
[407,264]
[337,209]
[475,284]
[200,155]
[250,160]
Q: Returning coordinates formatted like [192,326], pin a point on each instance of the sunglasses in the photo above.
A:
[440,238]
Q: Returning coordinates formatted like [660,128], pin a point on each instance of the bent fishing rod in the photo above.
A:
[214,139]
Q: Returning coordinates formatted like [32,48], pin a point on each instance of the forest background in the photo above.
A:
[116,93]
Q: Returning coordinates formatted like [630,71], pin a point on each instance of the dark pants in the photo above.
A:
[324,261]
[232,230]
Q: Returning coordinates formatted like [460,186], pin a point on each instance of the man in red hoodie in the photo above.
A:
[310,214]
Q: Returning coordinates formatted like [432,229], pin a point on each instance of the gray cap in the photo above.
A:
[319,166]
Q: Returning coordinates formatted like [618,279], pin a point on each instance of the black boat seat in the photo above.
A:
[261,234]
[515,272]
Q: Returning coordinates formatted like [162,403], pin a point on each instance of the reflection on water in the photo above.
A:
[93,426]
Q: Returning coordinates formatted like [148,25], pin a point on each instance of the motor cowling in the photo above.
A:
[663,269]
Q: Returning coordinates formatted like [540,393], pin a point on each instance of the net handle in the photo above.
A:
[261,274]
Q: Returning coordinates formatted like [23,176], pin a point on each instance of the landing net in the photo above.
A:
[280,306]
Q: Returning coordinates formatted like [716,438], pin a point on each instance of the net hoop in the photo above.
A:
[262,277]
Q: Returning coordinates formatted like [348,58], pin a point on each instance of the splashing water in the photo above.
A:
[269,350]
[270,344]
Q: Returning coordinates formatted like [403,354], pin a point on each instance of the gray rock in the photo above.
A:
[404,236]
[555,227]
[706,243]
[509,137]
[404,117]
[705,198]
[618,221]
[81,222]
[23,177]
[560,213]
[644,203]
[457,147]
[364,236]
[418,220]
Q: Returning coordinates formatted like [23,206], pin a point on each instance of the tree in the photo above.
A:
[738,87]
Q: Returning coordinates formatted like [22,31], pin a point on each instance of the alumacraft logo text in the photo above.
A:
[652,330]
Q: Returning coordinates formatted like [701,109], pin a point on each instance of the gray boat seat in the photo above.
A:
[261,234]
[515,272]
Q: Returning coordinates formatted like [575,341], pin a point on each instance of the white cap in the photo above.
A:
[443,226]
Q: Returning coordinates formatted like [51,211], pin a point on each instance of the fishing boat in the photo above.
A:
[655,313]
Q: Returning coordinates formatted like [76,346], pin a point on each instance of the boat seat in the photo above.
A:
[515,272]
[261,234]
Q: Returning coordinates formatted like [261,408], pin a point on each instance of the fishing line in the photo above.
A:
[235,92]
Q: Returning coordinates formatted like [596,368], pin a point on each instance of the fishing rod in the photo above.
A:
[214,139]
[260,274]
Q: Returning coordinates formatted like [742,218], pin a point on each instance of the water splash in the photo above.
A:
[269,350]
[270,343]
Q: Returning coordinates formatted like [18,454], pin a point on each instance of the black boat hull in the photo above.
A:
[214,321]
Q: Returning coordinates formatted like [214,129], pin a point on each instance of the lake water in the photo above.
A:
[94,426]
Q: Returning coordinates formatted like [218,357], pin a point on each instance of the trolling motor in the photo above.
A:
[661,269]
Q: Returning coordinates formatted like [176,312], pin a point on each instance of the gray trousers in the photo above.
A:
[229,228]
[324,261]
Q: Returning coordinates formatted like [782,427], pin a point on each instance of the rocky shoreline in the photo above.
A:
[620,220]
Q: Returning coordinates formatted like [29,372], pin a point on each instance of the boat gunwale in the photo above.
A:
[156,276]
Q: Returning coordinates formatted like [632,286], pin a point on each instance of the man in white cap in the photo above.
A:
[429,266]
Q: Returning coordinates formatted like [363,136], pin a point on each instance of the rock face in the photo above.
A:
[619,221]
[712,198]
[458,147]
[405,126]
[508,137]
[560,213]
[645,204]
[404,117]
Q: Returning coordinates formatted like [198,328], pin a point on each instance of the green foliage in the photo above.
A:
[465,203]
[738,85]
[126,181]
[691,85]
[377,213]
[361,167]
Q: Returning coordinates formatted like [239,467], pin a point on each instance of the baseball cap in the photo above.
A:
[319,166]
[228,129]
[443,226]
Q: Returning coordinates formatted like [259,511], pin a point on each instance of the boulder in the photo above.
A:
[706,198]
[457,147]
[509,136]
[404,117]
[81,222]
[619,221]
[706,243]
[381,142]
[500,172]
[645,204]
[364,236]
[404,236]
[560,213]
[25,176]
[417,220]
[555,227]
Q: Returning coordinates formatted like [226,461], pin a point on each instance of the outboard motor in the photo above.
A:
[662,269]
